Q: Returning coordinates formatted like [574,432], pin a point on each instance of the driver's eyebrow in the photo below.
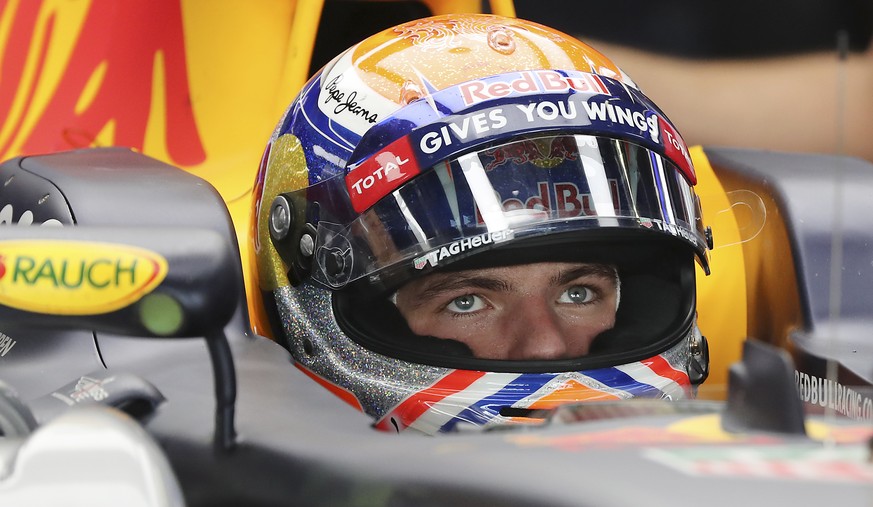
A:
[599,270]
[450,282]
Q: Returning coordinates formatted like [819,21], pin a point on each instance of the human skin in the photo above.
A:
[714,92]
[547,310]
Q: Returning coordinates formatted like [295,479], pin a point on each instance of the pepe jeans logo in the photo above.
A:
[347,101]
[76,277]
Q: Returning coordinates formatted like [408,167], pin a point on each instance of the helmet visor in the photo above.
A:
[526,188]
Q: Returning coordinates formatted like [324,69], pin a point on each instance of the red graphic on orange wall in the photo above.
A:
[126,37]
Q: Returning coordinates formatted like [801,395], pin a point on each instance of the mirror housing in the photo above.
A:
[157,282]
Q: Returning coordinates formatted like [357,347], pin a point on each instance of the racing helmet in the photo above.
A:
[462,142]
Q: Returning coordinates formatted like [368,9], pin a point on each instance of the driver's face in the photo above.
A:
[548,310]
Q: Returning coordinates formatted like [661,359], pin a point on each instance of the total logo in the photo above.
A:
[60,277]
[389,167]
[381,174]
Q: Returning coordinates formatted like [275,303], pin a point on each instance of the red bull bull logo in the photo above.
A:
[564,198]
[545,153]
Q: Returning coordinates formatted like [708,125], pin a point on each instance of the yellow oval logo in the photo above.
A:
[76,277]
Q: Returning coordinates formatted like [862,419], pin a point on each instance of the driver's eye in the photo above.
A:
[577,294]
[466,304]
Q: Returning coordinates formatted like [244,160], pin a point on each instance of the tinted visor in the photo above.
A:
[527,188]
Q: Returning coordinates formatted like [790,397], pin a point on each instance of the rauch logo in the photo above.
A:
[76,277]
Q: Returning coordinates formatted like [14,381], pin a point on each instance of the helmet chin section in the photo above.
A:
[465,400]
[402,395]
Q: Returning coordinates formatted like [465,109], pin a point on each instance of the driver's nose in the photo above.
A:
[536,332]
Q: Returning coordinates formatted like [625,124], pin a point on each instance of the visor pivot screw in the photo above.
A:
[280,218]
[709,241]
[307,245]
[335,263]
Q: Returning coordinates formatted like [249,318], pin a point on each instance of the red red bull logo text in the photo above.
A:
[563,199]
[538,81]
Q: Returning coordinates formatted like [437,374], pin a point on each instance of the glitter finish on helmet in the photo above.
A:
[378,382]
